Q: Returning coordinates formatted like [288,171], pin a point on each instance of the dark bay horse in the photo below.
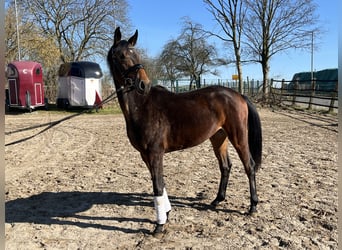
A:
[159,121]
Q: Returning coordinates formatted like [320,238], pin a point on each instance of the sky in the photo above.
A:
[159,21]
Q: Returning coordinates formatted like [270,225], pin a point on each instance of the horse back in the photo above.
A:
[188,119]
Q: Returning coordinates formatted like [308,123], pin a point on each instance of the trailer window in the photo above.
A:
[11,72]
[38,71]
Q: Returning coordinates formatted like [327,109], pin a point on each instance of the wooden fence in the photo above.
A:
[315,94]
[250,87]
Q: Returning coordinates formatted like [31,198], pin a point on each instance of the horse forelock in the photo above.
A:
[123,53]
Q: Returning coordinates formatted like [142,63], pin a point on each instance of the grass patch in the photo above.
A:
[108,110]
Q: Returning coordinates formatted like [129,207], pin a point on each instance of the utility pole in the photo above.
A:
[313,85]
[17,24]
[312,54]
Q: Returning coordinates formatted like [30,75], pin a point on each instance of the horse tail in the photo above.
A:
[254,133]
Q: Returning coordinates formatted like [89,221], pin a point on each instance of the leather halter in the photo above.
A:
[132,83]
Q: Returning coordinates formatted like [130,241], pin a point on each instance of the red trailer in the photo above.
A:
[25,85]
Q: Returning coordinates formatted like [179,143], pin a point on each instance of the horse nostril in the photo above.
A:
[142,85]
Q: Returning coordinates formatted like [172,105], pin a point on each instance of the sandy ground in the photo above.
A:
[81,185]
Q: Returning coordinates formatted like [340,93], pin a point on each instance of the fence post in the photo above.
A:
[248,87]
[258,85]
[312,94]
[333,96]
[294,92]
[252,84]
[282,90]
[270,92]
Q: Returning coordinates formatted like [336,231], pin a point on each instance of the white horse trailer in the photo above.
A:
[79,85]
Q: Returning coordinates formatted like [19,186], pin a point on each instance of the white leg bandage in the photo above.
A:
[160,209]
[167,202]
[162,206]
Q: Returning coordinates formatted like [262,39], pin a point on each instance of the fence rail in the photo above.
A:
[311,94]
[318,93]
[250,87]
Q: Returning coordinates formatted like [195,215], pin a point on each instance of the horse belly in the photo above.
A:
[189,135]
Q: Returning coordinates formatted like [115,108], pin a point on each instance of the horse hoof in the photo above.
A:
[252,211]
[215,202]
[159,231]
[167,216]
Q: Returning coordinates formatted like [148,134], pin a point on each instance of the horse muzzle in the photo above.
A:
[142,82]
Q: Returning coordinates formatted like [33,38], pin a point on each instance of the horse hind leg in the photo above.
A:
[242,148]
[252,186]
[220,146]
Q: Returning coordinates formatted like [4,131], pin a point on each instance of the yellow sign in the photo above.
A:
[235,77]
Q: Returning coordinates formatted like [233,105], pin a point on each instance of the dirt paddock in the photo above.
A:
[81,185]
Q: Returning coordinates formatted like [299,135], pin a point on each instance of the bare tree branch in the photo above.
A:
[81,28]
[274,26]
[189,55]
[230,15]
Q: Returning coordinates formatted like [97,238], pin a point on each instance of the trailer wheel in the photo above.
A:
[28,100]
[66,104]
[62,103]
[46,103]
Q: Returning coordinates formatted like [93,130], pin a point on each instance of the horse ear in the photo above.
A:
[117,35]
[134,38]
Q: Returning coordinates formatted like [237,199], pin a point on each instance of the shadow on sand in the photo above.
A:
[62,208]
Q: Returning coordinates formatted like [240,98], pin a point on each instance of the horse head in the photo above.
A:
[125,66]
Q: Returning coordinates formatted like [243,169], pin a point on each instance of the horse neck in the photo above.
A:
[131,104]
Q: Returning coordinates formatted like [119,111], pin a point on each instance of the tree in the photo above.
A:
[82,29]
[33,46]
[189,54]
[168,62]
[54,32]
[275,26]
[11,41]
[151,66]
[230,15]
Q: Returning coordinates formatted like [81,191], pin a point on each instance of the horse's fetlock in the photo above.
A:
[159,231]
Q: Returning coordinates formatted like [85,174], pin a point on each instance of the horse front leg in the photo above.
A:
[219,142]
[163,208]
[225,167]
[162,204]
